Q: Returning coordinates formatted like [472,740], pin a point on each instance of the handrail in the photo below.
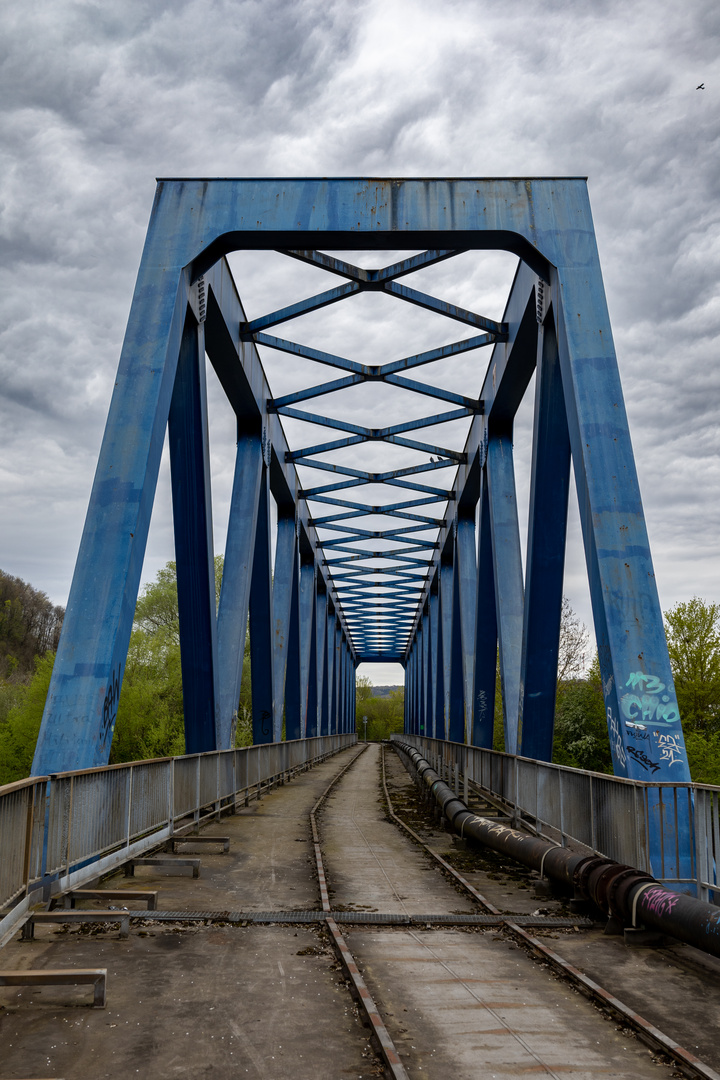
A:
[60,830]
[604,814]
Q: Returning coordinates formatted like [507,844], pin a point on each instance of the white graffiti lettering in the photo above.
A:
[671,750]
[616,742]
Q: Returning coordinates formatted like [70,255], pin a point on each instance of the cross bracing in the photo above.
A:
[413,555]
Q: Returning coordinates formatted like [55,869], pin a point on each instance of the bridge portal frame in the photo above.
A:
[474,602]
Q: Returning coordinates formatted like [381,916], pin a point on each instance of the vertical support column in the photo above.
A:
[330,652]
[419,679]
[192,520]
[237,573]
[284,600]
[293,698]
[81,707]
[486,629]
[424,698]
[321,647]
[307,641]
[344,687]
[353,699]
[439,729]
[508,575]
[429,674]
[467,577]
[338,673]
[261,637]
[456,725]
[544,566]
[446,614]
[435,662]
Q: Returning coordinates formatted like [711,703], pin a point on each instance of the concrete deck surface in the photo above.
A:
[221,1000]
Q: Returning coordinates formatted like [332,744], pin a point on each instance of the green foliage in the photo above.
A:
[21,724]
[150,713]
[693,636]
[150,720]
[244,731]
[703,754]
[385,714]
[581,735]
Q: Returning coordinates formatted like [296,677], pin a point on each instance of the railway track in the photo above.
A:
[664,1047]
[341,883]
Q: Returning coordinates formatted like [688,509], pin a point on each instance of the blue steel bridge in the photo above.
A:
[418,562]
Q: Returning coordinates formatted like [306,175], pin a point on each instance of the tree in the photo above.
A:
[693,637]
[581,736]
[363,689]
[574,642]
[150,719]
[385,714]
[29,627]
[19,730]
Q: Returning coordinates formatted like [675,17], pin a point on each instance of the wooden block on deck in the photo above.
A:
[63,915]
[132,863]
[189,839]
[60,977]
[148,895]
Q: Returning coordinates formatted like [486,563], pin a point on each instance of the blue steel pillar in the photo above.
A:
[237,574]
[261,635]
[192,521]
[322,667]
[547,527]
[467,582]
[435,661]
[425,672]
[308,651]
[486,628]
[456,724]
[285,635]
[330,653]
[446,628]
[338,675]
[508,575]
[439,729]
[81,707]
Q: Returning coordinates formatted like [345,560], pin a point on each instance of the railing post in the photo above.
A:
[128,822]
[171,796]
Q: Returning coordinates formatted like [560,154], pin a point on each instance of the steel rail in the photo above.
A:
[647,1032]
[387,1047]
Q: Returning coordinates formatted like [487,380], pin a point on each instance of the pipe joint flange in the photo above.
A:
[582,873]
[620,889]
[599,881]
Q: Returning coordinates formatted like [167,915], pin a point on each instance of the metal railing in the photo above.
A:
[639,823]
[57,831]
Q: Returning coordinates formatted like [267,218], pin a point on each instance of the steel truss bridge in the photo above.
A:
[418,564]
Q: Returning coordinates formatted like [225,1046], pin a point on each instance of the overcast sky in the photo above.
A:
[98,100]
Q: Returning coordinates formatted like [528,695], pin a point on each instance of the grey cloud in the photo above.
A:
[97,103]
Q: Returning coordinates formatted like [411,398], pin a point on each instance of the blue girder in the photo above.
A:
[448,602]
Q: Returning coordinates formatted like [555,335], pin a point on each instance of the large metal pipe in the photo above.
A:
[623,893]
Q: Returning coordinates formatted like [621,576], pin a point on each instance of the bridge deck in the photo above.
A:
[227,996]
